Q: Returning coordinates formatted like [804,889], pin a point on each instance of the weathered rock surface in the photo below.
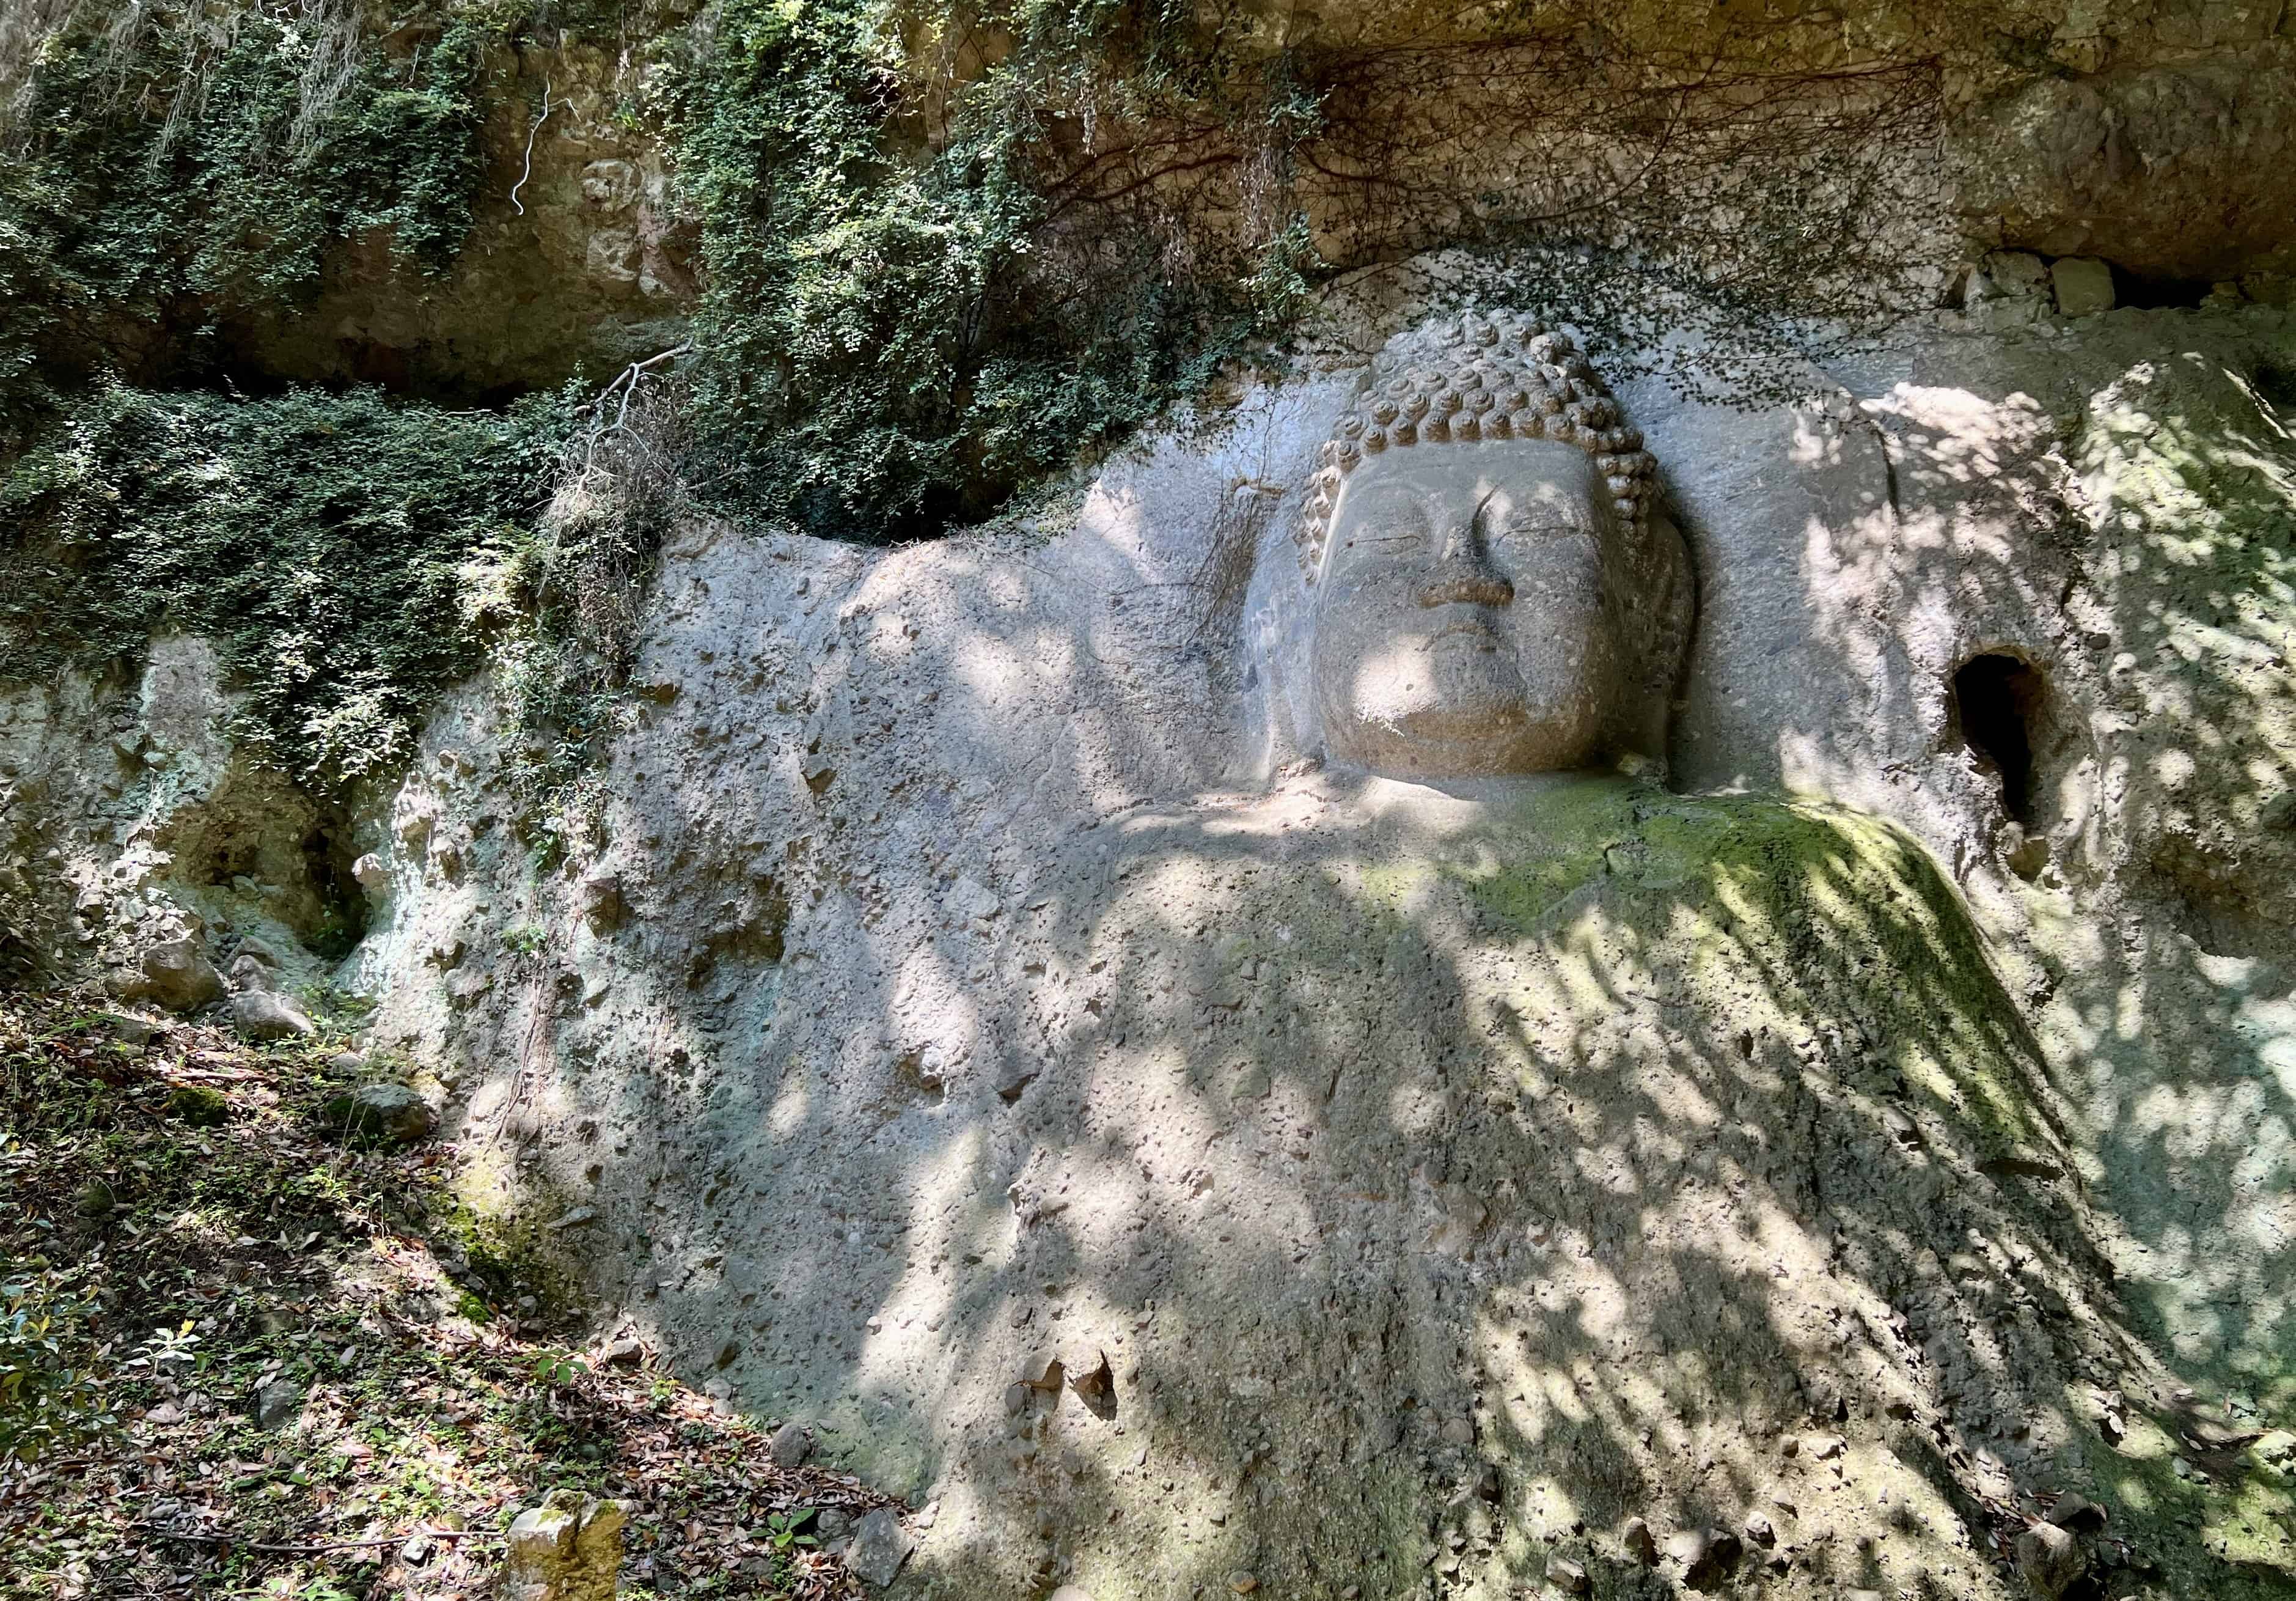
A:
[383,1113]
[267,1014]
[569,1548]
[995,981]
[880,1546]
[174,974]
[792,1444]
[2171,168]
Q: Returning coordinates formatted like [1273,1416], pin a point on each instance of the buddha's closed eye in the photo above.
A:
[1538,527]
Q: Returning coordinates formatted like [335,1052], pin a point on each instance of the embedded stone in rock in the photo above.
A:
[1567,1576]
[248,973]
[1640,1544]
[2077,1512]
[346,1064]
[2018,273]
[2050,1559]
[2026,855]
[373,877]
[599,898]
[2084,285]
[1097,1389]
[174,973]
[2008,291]
[1706,1555]
[880,1546]
[792,1444]
[1043,1372]
[382,1113]
[130,1031]
[267,1014]
[569,1548]
[276,1405]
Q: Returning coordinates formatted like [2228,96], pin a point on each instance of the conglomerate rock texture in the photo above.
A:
[1881,1116]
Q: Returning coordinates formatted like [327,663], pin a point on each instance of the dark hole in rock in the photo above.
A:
[343,916]
[1997,697]
[2152,293]
[2275,386]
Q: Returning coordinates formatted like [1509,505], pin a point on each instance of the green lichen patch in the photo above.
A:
[1761,908]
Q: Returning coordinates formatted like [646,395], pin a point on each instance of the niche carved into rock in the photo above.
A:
[1998,701]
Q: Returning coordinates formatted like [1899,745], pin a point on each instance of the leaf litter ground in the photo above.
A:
[214,1247]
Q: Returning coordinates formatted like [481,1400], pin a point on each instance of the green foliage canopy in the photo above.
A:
[153,196]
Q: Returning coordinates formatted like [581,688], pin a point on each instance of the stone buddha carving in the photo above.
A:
[1493,587]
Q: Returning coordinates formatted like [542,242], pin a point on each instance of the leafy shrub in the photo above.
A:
[172,171]
[884,347]
[49,1397]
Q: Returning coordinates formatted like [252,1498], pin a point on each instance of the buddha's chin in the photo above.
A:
[1451,706]
[1471,723]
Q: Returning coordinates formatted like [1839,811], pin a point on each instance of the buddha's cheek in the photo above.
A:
[1389,685]
[1566,677]
[1562,640]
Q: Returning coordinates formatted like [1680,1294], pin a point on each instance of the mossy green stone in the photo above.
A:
[198,1105]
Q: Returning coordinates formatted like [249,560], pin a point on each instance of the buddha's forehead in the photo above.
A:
[1517,471]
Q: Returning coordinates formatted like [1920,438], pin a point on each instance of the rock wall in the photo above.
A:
[979,973]
[2148,136]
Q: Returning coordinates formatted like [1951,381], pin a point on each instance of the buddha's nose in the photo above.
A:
[1462,574]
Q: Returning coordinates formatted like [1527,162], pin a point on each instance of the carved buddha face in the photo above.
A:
[1473,614]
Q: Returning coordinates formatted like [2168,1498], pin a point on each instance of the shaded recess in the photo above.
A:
[1995,699]
[260,835]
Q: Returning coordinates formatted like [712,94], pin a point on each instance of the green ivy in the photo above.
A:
[326,542]
[164,184]
[880,352]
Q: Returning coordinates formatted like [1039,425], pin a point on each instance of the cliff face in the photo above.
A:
[2149,136]
[963,973]
[935,994]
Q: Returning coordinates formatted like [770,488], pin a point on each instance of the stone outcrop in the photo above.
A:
[174,974]
[569,1548]
[267,1014]
[2169,169]
[382,1113]
[1637,1176]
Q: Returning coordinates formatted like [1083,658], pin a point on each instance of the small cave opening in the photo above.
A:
[2147,291]
[341,920]
[1996,698]
[2275,383]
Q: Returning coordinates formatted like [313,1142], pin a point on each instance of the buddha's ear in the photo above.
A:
[1671,601]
